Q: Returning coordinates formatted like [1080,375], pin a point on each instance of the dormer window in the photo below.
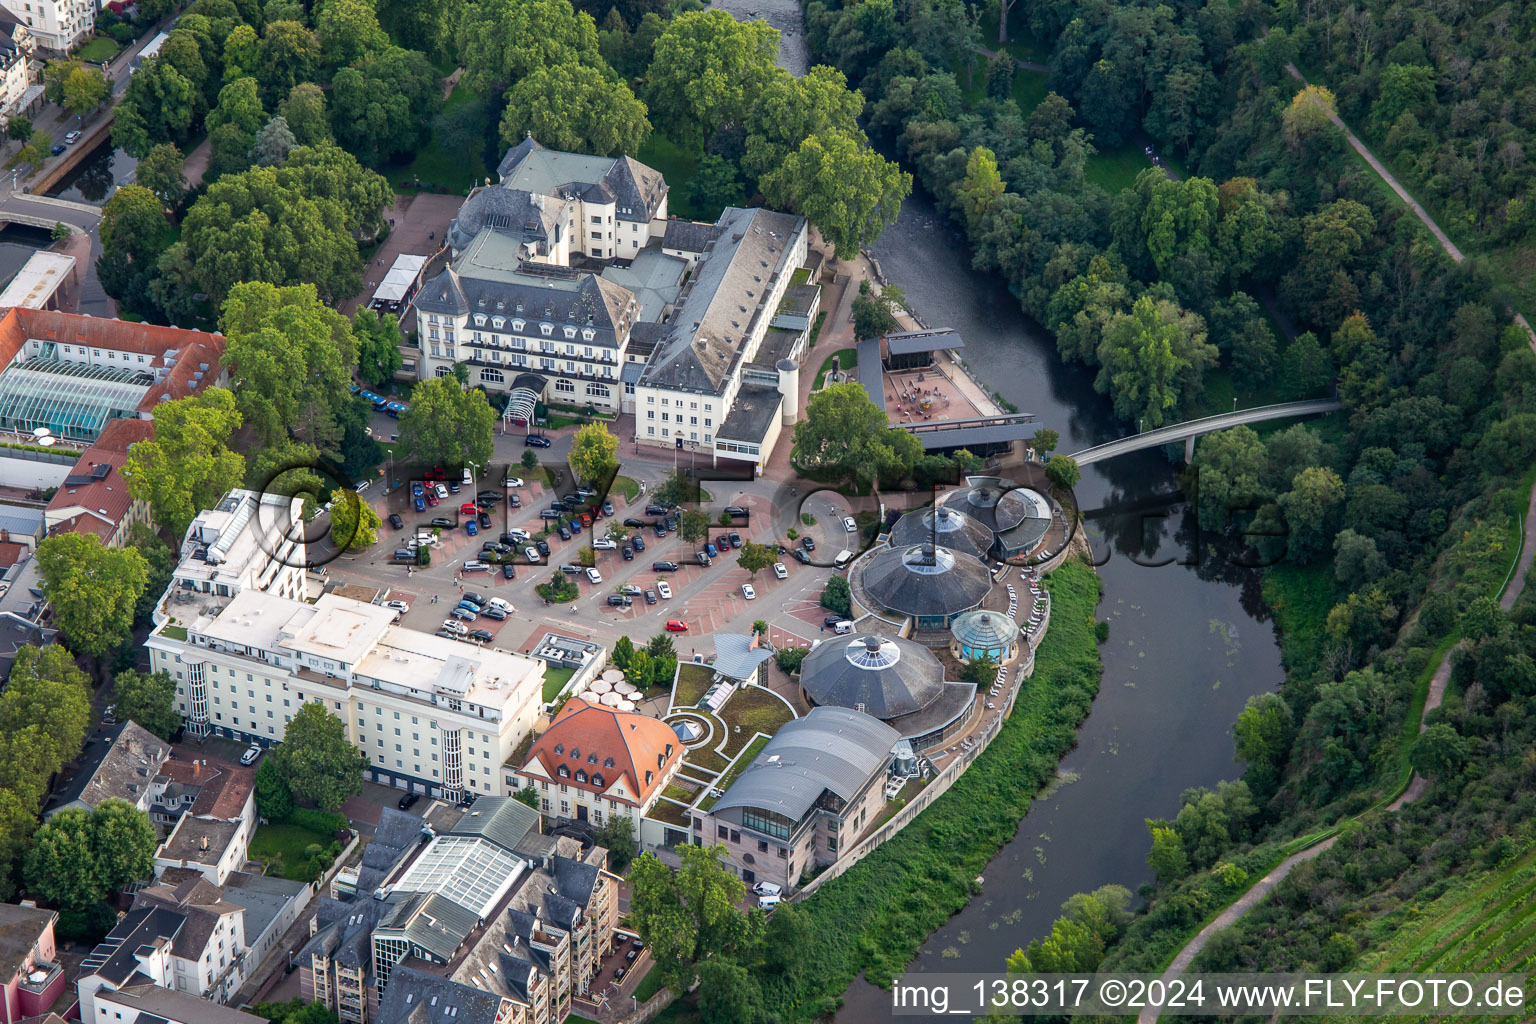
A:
[498,322]
[518,325]
[564,771]
[547,329]
[519,307]
[480,302]
[597,780]
[588,334]
[500,304]
[559,748]
[479,319]
[592,758]
[581,775]
[570,332]
[575,754]
[607,762]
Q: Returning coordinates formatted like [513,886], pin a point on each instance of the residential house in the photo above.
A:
[29,965]
[57,26]
[144,1003]
[94,497]
[124,768]
[17,49]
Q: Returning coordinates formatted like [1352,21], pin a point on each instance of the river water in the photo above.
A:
[1188,644]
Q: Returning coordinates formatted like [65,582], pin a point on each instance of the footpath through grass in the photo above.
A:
[876,916]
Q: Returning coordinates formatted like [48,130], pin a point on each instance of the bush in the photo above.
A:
[325,823]
[789,658]
[1101,631]
[88,924]
[836,597]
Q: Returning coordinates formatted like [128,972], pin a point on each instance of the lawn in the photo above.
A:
[847,359]
[1029,88]
[555,680]
[737,765]
[707,760]
[456,171]
[676,165]
[692,681]
[282,846]
[98,50]
[753,710]
[625,486]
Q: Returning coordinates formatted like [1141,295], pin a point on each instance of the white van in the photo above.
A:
[769,902]
[842,559]
[498,603]
[843,627]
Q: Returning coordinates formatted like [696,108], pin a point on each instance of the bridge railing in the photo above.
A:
[1204,425]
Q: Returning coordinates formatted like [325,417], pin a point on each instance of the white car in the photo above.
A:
[849,524]
[399,606]
[604,544]
[594,576]
[747,592]
[514,481]
[251,754]
[500,605]
[768,902]
[780,571]
[768,889]
[664,589]
[532,553]
[442,492]
[519,534]
[455,627]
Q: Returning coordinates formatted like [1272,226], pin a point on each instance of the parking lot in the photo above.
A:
[707,599]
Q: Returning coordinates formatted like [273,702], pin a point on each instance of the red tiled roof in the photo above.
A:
[105,501]
[190,348]
[10,553]
[636,743]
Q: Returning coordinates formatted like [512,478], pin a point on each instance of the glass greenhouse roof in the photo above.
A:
[472,872]
[73,400]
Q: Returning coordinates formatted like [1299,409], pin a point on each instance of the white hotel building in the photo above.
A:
[432,715]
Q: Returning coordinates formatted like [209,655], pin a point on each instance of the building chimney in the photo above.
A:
[202,844]
[197,769]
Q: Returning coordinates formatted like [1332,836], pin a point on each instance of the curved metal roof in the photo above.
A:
[829,749]
[948,527]
[884,676]
[985,628]
[922,579]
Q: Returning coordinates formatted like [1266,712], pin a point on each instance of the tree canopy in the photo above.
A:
[317,759]
[706,71]
[575,107]
[843,431]
[447,425]
[94,589]
[188,465]
[849,191]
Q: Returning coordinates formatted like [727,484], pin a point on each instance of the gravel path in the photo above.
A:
[784,15]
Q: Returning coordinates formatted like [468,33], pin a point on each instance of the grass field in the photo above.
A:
[555,680]
[456,171]
[283,847]
[847,359]
[98,50]
[1115,170]
[692,681]
[752,711]
[676,165]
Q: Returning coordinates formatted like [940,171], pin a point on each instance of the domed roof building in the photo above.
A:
[932,584]
[947,527]
[1017,516]
[899,681]
[984,634]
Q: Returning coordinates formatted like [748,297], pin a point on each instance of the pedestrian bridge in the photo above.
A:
[1191,429]
[46,211]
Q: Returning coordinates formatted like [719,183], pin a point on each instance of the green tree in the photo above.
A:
[706,71]
[354,523]
[755,557]
[716,185]
[18,128]
[527,795]
[1167,858]
[849,191]
[843,431]
[287,56]
[384,104]
[447,425]
[502,41]
[93,589]
[133,234]
[274,800]
[36,152]
[304,111]
[188,465]
[239,105]
[874,313]
[594,453]
[979,191]
[690,914]
[162,565]
[1439,753]
[291,360]
[1062,471]
[1312,507]
[617,836]
[45,713]
[317,759]
[378,346]
[1308,116]
[790,109]
[641,671]
[575,107]
[273,143]
[1152,360]
[1305,369]
[84,90]
[81,857]
[1356,560]
[160,172]
[1045,441]
[347,30]
[1230,476]
[159,105]
[623,653]
[123,844]
[530,460]
[728,994]
[150,700]
[837,597]
[1264,732]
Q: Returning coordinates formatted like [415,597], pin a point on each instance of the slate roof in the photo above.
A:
[435,923]
[531,216]
[635,189]
[689,235]
[883,676]
[921,579]
[716,310]
[947,526]
[160,1005]
[829,749]
[114,959]
[202,904]
[127,767]
[911,342]
[416,997]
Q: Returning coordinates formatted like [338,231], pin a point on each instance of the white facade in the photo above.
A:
[431,714]
[56,25]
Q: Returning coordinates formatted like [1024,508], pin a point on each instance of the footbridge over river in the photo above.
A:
[46,211]
[1191,429]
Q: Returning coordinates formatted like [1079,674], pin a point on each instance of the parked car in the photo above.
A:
[409,800]
[416,488]
[488,497]
[808,543]
[251,754]
[638,541]
[677,626]
[464,614]
[515,536]
[575,526]
[620,600]
[479,599]
[470,606]
[484,519]
[399,606]
[421,505]
[607,508]
[664,567]
[604,544]
[768,902]
[570,569]
[747,592]
[849,524]
[565,534]
[58,147]
[532,554]
[703,559]
[664,589]
[734,538]
[661,531]
[593,576]
[831,620]
[628,552]
[514,481]
[654,509]
[432,499]
[630,589]
[475,565]
[780,571]
[536,441]
[395,521]
[735,511]
[471,527]
[454,627]
[543,546]
[442,521]
[485,636]
[709,549]
[515,501]
[442,491]
[768,889]
[507,571]
[650,596]
[494,613]
[634,523]
[801,556]
[469,508]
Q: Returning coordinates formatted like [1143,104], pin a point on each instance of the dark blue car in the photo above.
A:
[421,506]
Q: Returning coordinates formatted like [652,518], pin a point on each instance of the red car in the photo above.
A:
[677,626]
[432,498]
[586,520]
[468,508]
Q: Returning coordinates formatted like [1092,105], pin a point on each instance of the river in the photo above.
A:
[1187,647]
